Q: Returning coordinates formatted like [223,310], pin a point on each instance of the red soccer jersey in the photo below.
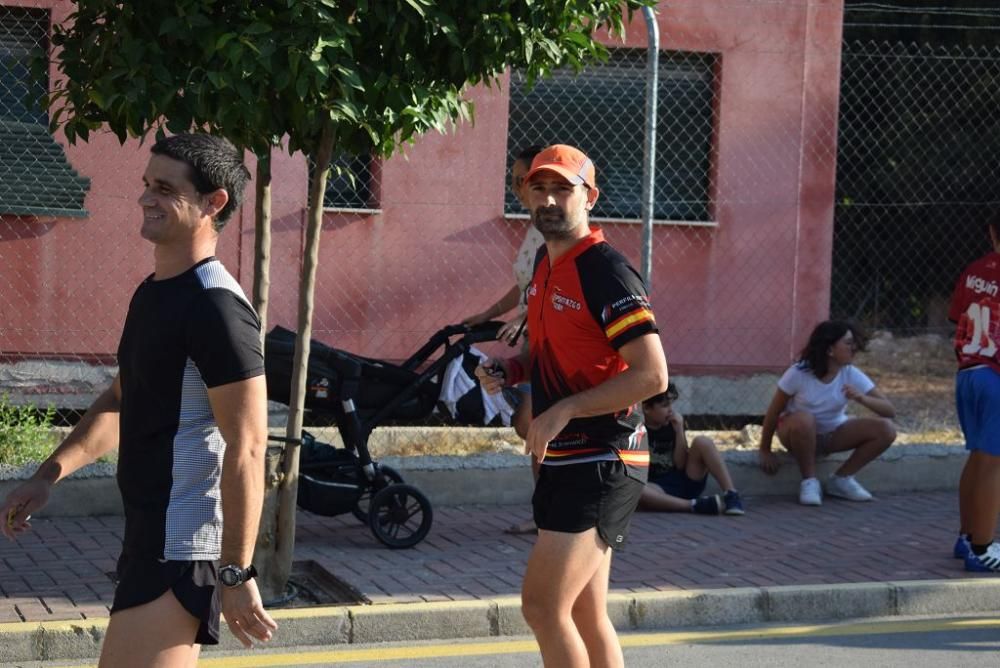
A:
[581,310]
[975,308]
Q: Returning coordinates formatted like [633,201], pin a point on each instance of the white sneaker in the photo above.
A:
[847,487]
[810,493]
[988,562]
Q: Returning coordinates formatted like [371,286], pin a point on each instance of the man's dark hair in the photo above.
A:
[816,354]
[666,397]
[528,153]
[213,163]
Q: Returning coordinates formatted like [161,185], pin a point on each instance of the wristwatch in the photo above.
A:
[233,576]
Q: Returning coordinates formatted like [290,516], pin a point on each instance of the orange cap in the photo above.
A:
[567,161]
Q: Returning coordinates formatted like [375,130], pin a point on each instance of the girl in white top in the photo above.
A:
[808,413]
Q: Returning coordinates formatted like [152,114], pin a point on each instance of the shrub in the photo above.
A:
[25,433]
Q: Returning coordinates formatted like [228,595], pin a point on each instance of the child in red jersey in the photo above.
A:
[975,308]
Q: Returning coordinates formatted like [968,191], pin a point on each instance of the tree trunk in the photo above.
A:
[264,550]
[275,578]
[262,241]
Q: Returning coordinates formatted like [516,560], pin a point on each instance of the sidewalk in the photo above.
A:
[57,572]
[781,563]
[778,542]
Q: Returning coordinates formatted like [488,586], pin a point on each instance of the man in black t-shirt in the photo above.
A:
[188,413]
[678,472]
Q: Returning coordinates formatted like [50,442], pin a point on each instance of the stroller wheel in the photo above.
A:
[360,509]
[400,516]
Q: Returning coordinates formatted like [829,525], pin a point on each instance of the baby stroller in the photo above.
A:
[358,394]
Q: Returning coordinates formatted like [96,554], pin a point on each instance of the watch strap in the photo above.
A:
[243,574]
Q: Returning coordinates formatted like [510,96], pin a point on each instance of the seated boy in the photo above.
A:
[677,472]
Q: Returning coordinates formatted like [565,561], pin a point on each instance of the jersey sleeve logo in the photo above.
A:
[626,313]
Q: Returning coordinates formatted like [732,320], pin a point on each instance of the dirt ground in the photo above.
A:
[918,375]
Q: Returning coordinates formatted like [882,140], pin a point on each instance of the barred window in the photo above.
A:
[35,177]
[602,111]
[351,183]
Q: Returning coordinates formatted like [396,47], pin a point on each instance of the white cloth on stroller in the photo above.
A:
[456,384]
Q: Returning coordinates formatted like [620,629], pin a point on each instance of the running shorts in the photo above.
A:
[573,498]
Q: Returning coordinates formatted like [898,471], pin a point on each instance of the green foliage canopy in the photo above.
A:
[374,73]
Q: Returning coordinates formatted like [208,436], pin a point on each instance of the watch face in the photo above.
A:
[229,576]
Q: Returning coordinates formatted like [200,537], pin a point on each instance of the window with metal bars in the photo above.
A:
[601,110]
[35,177]
[350,184]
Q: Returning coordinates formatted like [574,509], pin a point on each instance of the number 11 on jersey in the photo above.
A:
[980,342]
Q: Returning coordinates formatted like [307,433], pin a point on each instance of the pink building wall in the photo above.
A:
[734,298]
[65,283]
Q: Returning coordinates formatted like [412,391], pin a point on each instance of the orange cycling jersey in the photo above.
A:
[582,309]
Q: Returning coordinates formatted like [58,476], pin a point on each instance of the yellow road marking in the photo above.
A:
[394,653]
[398,653]
[802,631]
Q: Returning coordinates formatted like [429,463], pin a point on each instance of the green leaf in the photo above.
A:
[257,28]
[98,98]
[579,38]
[416,7]
[223,40]
[169,25]
[282,79]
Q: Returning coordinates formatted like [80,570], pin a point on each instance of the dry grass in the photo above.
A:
[918,376]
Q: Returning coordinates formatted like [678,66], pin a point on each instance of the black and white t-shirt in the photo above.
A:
[182,336]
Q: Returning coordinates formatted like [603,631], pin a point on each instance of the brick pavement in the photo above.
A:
[58,571]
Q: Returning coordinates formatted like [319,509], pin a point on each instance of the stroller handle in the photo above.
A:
[490,327]
[486,331]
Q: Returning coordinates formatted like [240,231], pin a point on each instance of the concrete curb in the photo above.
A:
[320,626]
[502,479]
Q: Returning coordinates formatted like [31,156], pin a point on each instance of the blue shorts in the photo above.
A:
[977,398]
[676,483]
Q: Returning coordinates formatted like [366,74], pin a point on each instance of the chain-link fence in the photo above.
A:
[812,160]
[917,172]
[58,326]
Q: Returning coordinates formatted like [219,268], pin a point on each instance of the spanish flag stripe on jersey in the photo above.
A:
[578,452]
[637,458]
[626,321]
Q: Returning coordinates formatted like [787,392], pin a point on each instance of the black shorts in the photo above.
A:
[143,580]
[676,483]
[576,497]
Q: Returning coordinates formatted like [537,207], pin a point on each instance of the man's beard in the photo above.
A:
[552,222]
